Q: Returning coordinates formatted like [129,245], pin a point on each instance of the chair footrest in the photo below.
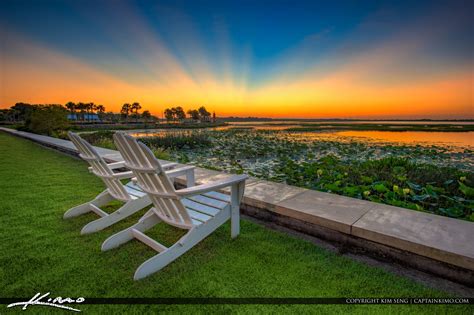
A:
[148,241]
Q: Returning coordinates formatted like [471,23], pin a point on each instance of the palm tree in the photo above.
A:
[125,110]
[81,107]
[135,107]
[90,109]
[72,108]
[100,110]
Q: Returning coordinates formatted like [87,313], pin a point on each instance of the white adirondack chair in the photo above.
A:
[134,199]
[200,209]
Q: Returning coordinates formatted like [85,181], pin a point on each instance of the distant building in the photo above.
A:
[85,117]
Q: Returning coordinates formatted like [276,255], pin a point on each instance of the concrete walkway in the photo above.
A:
[428,242]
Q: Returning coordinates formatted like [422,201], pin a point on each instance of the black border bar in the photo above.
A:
[262,300]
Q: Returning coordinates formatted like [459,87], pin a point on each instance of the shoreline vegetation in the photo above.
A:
[300,128]
[54,119]
[51,118]
[161,125]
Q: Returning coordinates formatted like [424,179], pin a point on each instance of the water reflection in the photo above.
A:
[457,141]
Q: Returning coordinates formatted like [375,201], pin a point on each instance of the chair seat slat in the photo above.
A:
[209,201]
[190,204]
[198,215]
[174,223]
[217,195]
[134,190]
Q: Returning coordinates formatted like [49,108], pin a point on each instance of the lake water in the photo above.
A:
[381,122]
[461,140]
[454,140]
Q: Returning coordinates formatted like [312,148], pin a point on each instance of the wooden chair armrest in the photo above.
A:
[200,189]
[180,171]
[170,165]
[121,164]
[188,171]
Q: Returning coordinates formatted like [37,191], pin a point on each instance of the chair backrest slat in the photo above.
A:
[152,179]
[100,167]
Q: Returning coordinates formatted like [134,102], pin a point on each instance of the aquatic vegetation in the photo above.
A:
[103,138]
[435,179]
[178,140]
[424,178]
[393,181]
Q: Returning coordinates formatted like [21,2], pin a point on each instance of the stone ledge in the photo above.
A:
[445,239]
[329,210]
[440,240]
[350,243]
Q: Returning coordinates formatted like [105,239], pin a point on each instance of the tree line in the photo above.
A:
[46,119]
[178,114]
[132,110]
[85,112]
[78,111]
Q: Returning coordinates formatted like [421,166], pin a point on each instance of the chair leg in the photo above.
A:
[129,208]
[235,197]
[101,199]
[149,220]
[194,236]
[190,181]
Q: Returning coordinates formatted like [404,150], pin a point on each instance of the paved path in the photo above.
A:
[440,238]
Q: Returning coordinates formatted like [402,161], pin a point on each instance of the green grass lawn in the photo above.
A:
[41,252]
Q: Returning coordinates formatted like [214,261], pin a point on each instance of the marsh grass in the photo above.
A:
[103,138]
[179,140]
[41,252]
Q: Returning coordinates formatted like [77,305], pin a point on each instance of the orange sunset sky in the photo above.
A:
[368,63]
